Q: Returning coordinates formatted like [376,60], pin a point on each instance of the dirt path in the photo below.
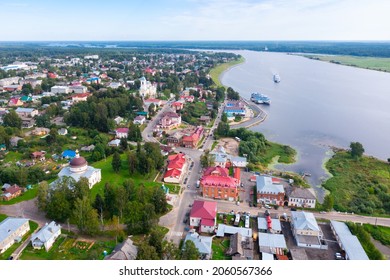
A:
[385,250]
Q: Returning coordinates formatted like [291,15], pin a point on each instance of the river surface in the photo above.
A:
[315,106]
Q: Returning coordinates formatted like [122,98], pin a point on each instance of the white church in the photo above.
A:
[147,88]
[78,168]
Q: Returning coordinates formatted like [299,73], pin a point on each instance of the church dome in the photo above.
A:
[78,162]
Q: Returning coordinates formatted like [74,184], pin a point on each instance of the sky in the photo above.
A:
[134,20]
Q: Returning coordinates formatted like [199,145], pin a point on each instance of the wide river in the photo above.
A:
[316,105]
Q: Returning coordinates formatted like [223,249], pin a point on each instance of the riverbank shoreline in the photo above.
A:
[217,73]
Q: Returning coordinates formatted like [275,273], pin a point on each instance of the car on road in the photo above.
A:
[338,256]
[293,209]
[185,180]
[267,206]
[322,212]
[185,220]
[188,186]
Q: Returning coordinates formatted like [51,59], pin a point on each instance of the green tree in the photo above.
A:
[116,162]
[147,252]
[170,251]
[110,199]
[98,204]
[132,162]
[134,133]
[121,200]
[85,216]
[81,188]
[357,149]
[159,201]
[42,196]
[190,252]
[156,240]
[224,118]
[123,144]
[12,120]
[328,202]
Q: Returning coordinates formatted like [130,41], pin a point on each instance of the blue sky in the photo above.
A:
[195,20]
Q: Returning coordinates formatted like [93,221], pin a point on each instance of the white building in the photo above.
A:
[46,236]
[272,243]
[301,197]
[202,243]
[60,89]
[78,168]
[78,89]
[26,112]
[306,231]
[147,89]
[11,231]
[348,242]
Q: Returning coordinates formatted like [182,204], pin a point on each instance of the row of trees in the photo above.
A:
[146,159]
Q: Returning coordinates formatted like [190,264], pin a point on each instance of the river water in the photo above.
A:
[315,106]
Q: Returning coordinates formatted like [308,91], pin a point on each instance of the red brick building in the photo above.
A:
[216,183]
[193,140]
[11,192]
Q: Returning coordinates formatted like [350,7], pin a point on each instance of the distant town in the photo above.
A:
[139,154]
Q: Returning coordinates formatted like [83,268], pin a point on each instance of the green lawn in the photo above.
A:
[13,156]
[216,72]
[285,154]
[3,217]
[219,247]
[374,63]
[360,186]
[380,233]
[116,179]
[67,248]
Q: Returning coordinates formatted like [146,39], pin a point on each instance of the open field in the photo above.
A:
[116,179]
[216,72]
[373,63]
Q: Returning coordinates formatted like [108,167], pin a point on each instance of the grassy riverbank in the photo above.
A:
[359,185]
[373,63]
[216,72]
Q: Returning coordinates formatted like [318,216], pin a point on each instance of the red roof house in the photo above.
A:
[122,132]
[203,215]
[216,183]
[12,192]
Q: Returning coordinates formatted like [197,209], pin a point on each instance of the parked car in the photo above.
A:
[267,206]
[338,256]
[185,180]
[185,220]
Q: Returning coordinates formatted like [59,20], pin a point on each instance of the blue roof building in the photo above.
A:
[68,154]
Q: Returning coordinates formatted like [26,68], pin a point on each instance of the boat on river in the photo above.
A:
[276,78]
[260,98]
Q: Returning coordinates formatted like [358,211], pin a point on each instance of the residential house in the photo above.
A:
[14,141]
[306,231]
[269,225]
[78,89]
[229,230]
[26,98]
[12,88]
[68,154]
[114,85]
[202,243]
[28,122]
[240,248]
[26,112]
[348,242]
[38,156]
[89,148]
[177,106]
[9,81]
[272,243]
[174,140]
[140,120]
[62,131]
[15,102]
[11,192]
[118,120]
[46,236]
[80,97]
[192,140]
[170,120]
[114,143]
[221,158]
[3,112]
[156,102]
[300,197]
[203,215]
[121,132]
[175,168]
[3,148]
[124,251]
[60,90]
[268,192]
[11,231]
[33,82]
[216,183]
[204,120]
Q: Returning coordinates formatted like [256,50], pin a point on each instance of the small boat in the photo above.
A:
[276,78]
[260,98]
